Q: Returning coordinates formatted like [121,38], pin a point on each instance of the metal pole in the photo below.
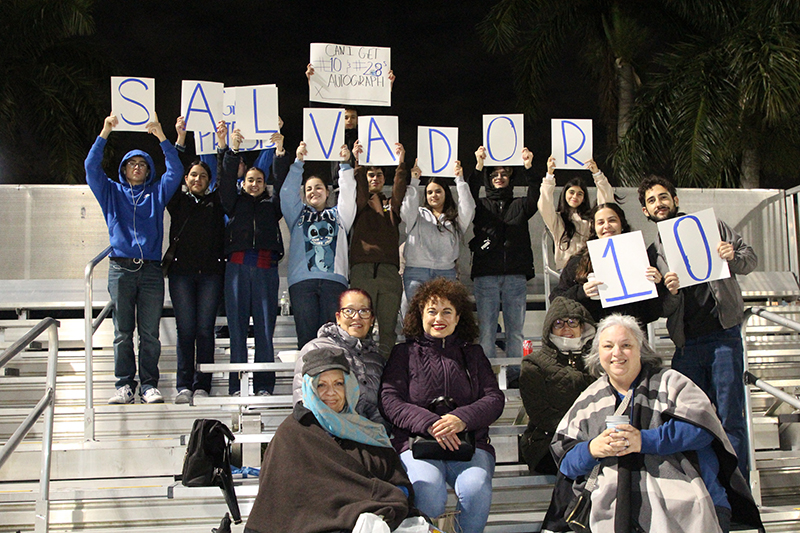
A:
[755,477]
[42,522]
[89,328]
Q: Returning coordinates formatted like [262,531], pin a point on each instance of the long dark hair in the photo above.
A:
[565,211]
[449,209]
[442,289]
[585,265]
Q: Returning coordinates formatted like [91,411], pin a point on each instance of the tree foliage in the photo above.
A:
[51,81]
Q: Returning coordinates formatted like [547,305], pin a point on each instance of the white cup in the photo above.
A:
[613,421]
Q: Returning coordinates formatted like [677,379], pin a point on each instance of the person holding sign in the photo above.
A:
[318,268]
[435,230]
[577,278]
[253,245]
[133,205]
[195,261]
[704,320]
[569,222]
[502,260]
[375,243]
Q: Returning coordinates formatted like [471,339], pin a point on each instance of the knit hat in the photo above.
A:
[319,360]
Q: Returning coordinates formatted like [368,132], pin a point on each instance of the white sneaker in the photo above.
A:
[152,395]
[121,396]
[201,393]
[184,396]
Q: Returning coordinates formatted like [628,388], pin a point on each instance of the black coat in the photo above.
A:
[197,227]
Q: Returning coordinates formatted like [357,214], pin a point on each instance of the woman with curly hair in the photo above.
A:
[439,365]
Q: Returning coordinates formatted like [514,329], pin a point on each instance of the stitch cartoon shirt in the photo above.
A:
[318,248]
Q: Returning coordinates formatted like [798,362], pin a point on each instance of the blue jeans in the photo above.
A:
[471,480]
[715,362]
[314,303]
[137,292]
[490,292]
[414,277]
[251,291]
[195,299]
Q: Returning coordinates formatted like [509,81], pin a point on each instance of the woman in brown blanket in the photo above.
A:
[326,464]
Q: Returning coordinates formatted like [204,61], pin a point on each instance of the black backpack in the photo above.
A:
[207,462]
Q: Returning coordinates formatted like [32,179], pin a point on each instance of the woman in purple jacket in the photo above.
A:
[440,360]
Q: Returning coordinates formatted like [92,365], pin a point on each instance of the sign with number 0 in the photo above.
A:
[620,262]
[690,245]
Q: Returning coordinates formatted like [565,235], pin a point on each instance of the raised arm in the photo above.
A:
[546,201]
[532,198]
[409,210]
[605,192]
[291,202]
[400,179]
[95,176]
[476,178]
[347,190]
[466,203]
[171,179]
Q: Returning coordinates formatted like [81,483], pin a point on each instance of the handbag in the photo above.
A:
[426,447]
[580,509]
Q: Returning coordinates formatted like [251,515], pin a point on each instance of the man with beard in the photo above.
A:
[704,321]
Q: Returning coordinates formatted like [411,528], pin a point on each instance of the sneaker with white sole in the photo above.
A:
[184,397]
[152,395]
[201,393]
[122,396]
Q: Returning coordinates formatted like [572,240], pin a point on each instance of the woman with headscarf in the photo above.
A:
[326,464]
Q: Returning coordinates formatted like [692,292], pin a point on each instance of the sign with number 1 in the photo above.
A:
[620,262]
[690,244]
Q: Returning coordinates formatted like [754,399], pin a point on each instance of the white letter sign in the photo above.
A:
[356,75]
[572,142]
[437,151]
[201,104]
[690,244]
[378,135]
[205,142]
[133,100]
[504,139]
[257,111]
[620,262]
[323,133]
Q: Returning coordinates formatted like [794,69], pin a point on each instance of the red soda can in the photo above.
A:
[527,347]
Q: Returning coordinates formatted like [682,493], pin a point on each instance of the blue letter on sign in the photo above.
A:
[319,139]
[489,135]
[449,150]
[625,294]
[564,138]
[146,112]
[683,252]
[374,124]
[206,109]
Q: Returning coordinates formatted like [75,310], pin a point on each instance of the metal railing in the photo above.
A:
[750,379]
[44,406]
[89,328]
[547,239]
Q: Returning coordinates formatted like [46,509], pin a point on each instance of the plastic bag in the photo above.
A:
[415,524]
[370,523]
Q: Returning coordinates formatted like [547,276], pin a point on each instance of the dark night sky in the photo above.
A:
[444,75]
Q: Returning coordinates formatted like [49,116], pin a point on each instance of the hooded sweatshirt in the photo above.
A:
[134,214]
[551,379]
[502,242]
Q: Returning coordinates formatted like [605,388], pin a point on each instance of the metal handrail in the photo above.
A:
[755,483]
[546,238]
[89,328]
[44,406]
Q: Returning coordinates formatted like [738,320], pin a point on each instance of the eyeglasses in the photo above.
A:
[498,173]
[349,312]
[135,164]
[571,322]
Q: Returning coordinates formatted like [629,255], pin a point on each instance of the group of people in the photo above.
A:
[372,396]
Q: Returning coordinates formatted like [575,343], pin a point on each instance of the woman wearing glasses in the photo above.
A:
[435,229]
[351,331]
[553,377]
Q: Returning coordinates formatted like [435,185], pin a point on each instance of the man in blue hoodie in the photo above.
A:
[133,206]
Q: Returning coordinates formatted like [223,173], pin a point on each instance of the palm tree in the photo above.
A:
[723,103]
[50,84]
[616,40]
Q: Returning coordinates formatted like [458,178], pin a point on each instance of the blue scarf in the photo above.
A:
[348,424]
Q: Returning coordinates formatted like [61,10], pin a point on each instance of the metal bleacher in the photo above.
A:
[119,474]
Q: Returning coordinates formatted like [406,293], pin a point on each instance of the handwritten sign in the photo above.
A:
[437,151]
[690,245]
[504,139]
[378,136]
[355,75]
[133,100]
[257,111]
[201,104]
[323,133]
[620,262]
[572,142]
